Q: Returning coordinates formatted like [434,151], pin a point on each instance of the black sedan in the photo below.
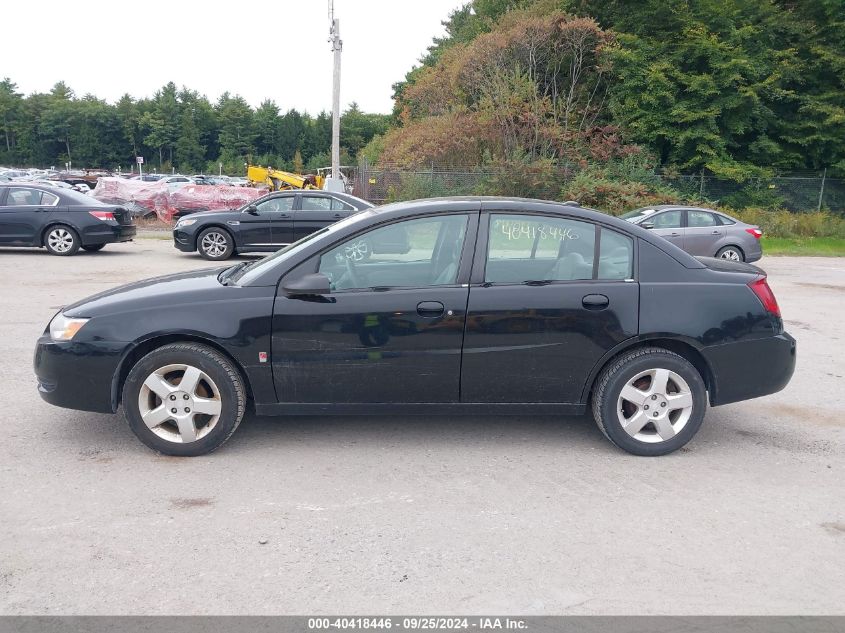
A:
[60,220]
[265,225]
[496,306]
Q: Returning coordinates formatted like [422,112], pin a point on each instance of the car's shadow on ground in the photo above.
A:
[259,435]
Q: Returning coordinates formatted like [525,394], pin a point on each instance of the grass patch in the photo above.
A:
[808,246]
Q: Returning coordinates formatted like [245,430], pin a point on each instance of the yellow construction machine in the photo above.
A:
[279,180]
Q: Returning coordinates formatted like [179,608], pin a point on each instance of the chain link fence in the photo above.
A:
[795,191]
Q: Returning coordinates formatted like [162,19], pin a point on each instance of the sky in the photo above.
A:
[261,50]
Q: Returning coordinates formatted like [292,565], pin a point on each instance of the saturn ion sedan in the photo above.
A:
[492,306]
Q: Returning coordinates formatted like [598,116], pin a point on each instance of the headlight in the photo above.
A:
[64,328]
[182,223]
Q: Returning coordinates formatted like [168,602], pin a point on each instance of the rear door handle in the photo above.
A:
[595,302]
[674,235]
[337,216]
[716,233]
[430,308]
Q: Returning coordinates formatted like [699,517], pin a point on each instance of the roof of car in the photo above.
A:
[666,207]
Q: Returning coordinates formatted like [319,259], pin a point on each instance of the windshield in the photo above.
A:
[637,214]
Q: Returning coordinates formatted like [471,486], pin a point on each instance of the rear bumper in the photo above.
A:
[78,375]
[750,369]
[108,234]
[754,251]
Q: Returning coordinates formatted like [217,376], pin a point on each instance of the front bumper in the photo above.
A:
[742,370]
[184,241]
[78,375]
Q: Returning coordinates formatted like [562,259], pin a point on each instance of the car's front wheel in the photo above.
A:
[61,240]
[184,399]
[215,244]
[649,401]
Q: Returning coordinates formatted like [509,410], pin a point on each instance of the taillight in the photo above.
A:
[755,232]
[760,287]
[102,215]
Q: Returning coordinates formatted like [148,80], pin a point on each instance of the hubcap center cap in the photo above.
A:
[180,404]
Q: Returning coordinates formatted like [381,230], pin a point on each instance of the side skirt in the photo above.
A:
[420,408]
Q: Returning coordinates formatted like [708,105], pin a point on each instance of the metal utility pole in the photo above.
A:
[337,46]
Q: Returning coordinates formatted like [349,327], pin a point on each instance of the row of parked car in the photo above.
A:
[179,180]
[53,215]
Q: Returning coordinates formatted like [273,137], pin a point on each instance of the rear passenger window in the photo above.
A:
[48,199]
[616,256]
[539,248]
[337,205]
[700,218]
[23,197]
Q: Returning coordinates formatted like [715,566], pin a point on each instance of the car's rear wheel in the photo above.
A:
[184,399]
[733,253]
[61,240]
[649,401]
[215,244]
[93,248]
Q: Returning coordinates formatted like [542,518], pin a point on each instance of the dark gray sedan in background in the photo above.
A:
[264,225]
[702,232]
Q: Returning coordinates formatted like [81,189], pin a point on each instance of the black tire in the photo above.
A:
[223,373]
[93,248]
[62,240]
[736,249]
[616,375]
[218,236]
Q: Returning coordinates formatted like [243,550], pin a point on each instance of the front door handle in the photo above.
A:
[595,302]
[674,235]
[283,216]
[716,233]
[430,308]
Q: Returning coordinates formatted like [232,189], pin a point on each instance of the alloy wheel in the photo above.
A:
[655,405]
[60,240]
[214,244]
[180,403]
[731,254]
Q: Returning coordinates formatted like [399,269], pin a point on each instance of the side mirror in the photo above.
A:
[647,225]
[312,284]
[252,209]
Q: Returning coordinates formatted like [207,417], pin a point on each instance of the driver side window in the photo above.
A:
[412,253]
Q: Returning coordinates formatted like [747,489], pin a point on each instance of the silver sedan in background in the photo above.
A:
[702,232]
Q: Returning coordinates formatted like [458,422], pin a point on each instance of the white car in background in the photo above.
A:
[177,181]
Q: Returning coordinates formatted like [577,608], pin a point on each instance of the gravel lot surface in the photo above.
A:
[526,515]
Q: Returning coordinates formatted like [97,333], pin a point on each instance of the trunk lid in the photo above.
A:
[728,266]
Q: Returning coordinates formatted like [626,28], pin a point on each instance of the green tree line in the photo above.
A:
[176,128]
[739,88]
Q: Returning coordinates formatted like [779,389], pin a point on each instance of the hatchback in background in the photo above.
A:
[701,232]
[60,220]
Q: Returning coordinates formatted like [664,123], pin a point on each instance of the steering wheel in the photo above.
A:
[352,273]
